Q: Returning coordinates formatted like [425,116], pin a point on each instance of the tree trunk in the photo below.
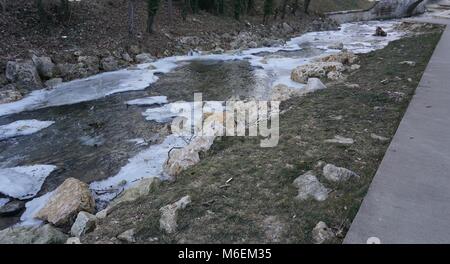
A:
[41,11]
[295,7]
[283,9]
[307,2]
[170,9]
[131,16]
[152,9]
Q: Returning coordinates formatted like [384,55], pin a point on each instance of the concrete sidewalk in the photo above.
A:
[409,198]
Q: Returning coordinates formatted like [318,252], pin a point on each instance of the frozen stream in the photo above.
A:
[85,129]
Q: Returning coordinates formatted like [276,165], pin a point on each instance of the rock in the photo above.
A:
[352,85]
[355,67]
[252,45]
[343,57]
[340,140]
[109,64]
[102,214]
[9,93]
[68,70]
[337,46]
[53,82]
[379,32]
[144,58]
[70,198]
[314,84]
[12,208]
[127,236]
[337,174]
[169,213]
[45,67]
[90,64]
[126,57]
[380,138]
[73,240]
[32,235]
[24,74]
[143,188]
[287,29]
[309,186]
[302,73]
[281,92]
[134,49]
[322,233]
[409,63]
[180,159]
[335,76]
[84,224]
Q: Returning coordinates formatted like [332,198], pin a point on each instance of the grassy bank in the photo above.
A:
[259,204]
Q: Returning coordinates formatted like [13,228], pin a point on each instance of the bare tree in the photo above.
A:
[307,2]
[3,4]
[295,7]
[283,8]
[170,9]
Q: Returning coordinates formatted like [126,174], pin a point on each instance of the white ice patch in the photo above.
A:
[32,208]
[24,182]
[148,163]
[3,201]
[23,128]
[149,101]
[138,141]
[166,112]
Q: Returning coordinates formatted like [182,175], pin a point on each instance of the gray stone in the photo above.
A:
[309,187]
[24,74]
[143,188]
[32,235]
[12,208]
[380,138]
[314,84]
[287,29]
[73,241]
[337,174]
[9,93]
[127,236]
[322,233]
[169,213]
[144,58]
[409,63]
[45,67]
[337,46]
[109,64]
[126,57]
[84,223]
[53,82]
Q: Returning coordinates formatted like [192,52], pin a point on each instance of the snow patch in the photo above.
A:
[149,101]
[24,182]
[32,208]
[23,128]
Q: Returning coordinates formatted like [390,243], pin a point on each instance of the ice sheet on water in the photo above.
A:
[3,201]
[149,101]
[23,128]
[148,163]
[23,182]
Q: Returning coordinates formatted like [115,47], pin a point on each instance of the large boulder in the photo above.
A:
[12,208]
[70,198]
[88,65]
[281,92]
[24,74]
[302,73]
[45,67]
[309,187]
[32,235]
[169,213]
[84,224]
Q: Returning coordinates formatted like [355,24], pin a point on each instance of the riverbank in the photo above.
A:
[91,42]
[255,201]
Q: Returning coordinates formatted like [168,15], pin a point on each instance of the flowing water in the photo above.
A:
[96,135]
